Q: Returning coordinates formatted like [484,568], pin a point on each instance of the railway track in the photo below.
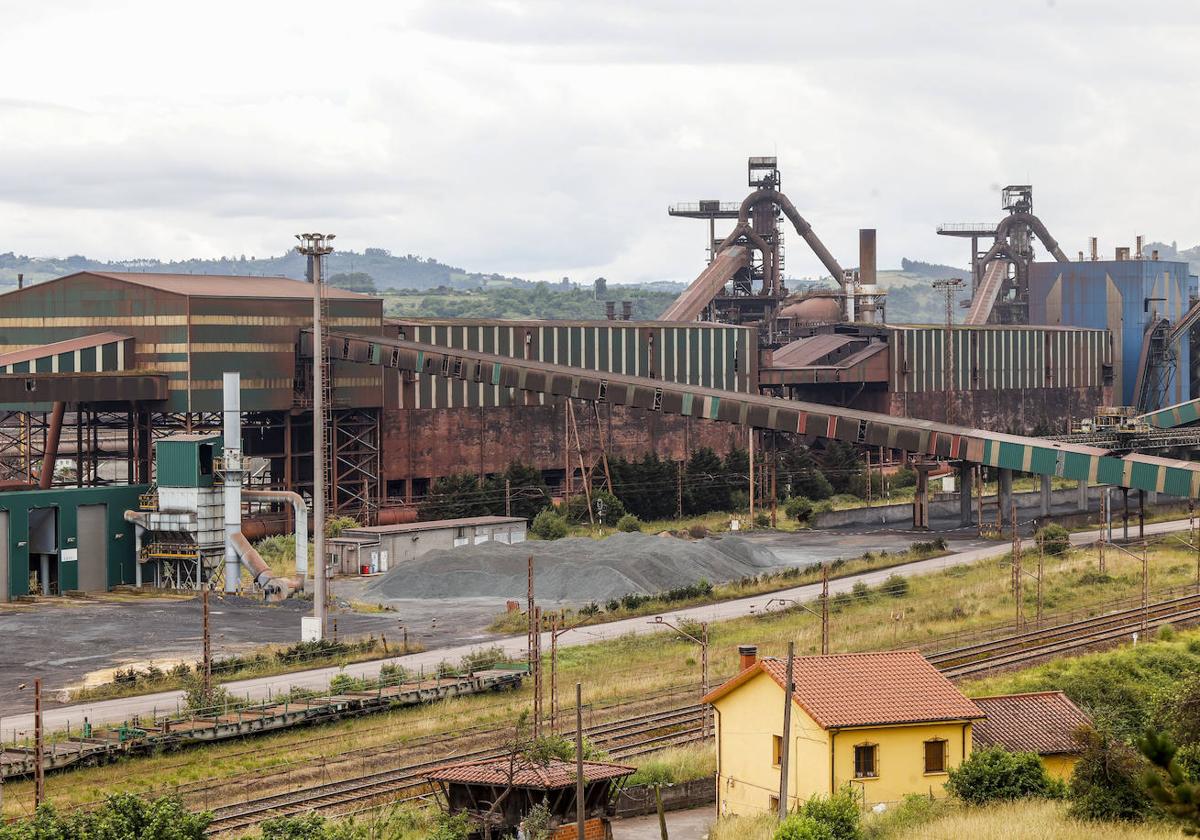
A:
[620,739]
[684,724]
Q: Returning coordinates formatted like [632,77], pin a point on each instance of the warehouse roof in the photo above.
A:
[1044,722]
[219,285]
[865,689]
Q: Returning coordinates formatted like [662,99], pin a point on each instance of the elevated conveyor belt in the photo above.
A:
[1179,414]
[925,437]
[696,297]
[989,289]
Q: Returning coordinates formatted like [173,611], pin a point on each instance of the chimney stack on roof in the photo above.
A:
[20,281]
[1094,244]
[610,310]
[748,655]
[626,310]
[1140,243]
[1122,253]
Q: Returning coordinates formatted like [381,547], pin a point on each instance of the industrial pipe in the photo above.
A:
[140,523]
[798,222]
[300,507]
[276,589]
[46,478]
[231,417]
[1000,246]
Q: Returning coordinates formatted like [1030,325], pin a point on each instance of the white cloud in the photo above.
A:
[547,138]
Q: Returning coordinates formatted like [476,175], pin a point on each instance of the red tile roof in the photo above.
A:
[1043,722]
[865,689]
[527,774]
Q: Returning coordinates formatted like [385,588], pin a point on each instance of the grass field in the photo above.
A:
[935,610]
[1026,820]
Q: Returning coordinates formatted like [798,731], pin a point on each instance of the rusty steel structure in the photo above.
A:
[744,281]
[1000,275]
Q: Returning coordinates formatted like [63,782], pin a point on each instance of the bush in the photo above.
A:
[601,500]
[895,586]
[800,827]
[798,508]
[997,775]
[1055,539]
[697,532]
[840,814]
[903,477]
[629,523]
[861,591]
[762,520]
[548,525]
[1105,785]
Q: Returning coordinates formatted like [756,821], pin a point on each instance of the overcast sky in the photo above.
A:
[548,138]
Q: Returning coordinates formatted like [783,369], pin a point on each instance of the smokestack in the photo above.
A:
[1154,255]
[232,459]
[626,310]
[747,655]
[866,272]
[1140,241]
[1094,244]
[1081,256]
[1123,254]
[610,310]
[20,281]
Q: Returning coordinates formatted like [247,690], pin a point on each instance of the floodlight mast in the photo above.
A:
[316,246]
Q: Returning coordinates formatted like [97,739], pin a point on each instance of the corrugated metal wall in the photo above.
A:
[1122,296]
[706,355]
[997,358]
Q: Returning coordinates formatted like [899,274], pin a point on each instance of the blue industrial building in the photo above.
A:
[1137,301]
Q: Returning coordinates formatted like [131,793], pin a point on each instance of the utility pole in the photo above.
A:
[39,746]
[1016,570]
[580,811]
[824,609]
[207,661]
[774,488]
[1145,585]
[751,459]
[316,246]
[1041,570]
[949,287]
[703,643]
[1104,527]
[787,733]
[679,492]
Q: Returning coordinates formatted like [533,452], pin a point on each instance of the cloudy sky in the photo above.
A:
[547,137]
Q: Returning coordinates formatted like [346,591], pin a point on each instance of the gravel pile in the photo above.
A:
[576,570]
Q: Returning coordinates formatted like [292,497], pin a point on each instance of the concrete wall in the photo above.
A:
[902,512]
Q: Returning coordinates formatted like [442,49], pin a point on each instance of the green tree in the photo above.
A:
[705,487]
[801,474]
[455,497]
[548,525]
[842,464]
[355,281]
[600,288]
[1106,782]
[647,488]
[1168,784]
[528,491]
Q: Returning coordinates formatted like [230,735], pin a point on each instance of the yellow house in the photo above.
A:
[1042,722]
[887,723]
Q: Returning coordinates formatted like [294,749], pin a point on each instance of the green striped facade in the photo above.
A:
[115,355]
[998,358]
[194,339]
[715,356]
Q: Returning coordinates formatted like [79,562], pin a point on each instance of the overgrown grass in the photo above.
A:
[1025,820]
[939,609]
[1122,689]
[676,765]
[747,587]
[265,661]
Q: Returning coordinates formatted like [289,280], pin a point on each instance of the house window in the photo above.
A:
[866,764]
[935,755]
[776,750]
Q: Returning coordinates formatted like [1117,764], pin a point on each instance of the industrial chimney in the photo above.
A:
[610,310]
[1094,244]
[20,281]
[1140,240]
[866,272]
[626,310]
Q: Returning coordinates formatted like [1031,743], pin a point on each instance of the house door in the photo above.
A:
[93,548]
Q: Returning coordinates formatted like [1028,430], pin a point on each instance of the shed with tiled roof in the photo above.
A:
[1042,722]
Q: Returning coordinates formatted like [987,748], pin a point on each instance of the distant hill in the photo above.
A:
[1171,252]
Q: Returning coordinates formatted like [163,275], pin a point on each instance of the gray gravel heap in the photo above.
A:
[577,569]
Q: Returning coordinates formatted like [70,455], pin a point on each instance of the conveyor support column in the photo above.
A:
[1046,495]
[1004,495]
[966,475]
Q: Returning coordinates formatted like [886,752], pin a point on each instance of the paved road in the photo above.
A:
[260,688]
[692,824]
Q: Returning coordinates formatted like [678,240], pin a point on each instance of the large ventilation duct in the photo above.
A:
[300,510]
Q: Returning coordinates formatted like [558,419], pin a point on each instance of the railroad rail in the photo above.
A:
[620,739]
[684,724]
